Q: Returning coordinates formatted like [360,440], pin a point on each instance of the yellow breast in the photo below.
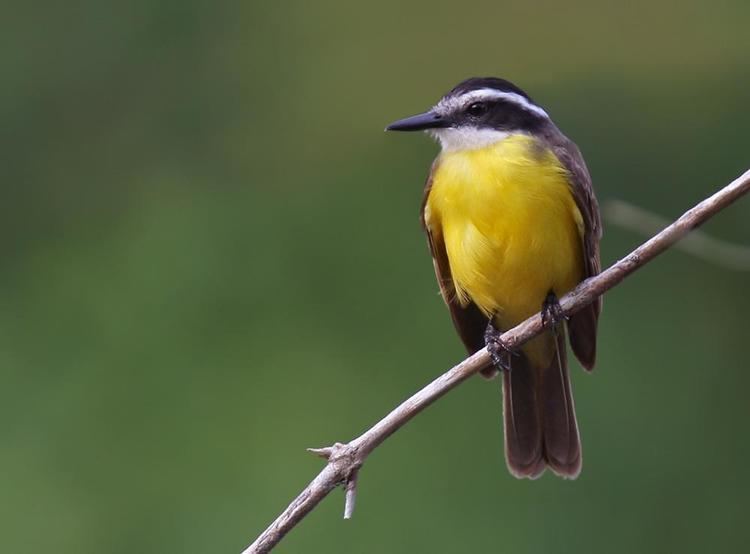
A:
[510,225]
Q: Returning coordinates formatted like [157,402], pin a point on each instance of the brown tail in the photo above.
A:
[540,420]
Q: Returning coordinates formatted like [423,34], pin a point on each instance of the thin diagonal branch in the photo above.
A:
[345,460]
[698,243]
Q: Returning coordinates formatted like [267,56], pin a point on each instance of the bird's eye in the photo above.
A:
[476,109]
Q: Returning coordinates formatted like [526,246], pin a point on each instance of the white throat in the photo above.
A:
[453,139]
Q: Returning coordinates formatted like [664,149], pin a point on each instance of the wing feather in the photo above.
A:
[582,325]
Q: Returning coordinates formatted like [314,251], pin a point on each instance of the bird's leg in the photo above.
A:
[499,351]
[552,313]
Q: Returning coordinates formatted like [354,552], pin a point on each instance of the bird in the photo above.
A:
[512,224]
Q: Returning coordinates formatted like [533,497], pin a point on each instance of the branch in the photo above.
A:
[345,460]
[698,243]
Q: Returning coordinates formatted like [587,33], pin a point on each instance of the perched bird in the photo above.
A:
[512,223]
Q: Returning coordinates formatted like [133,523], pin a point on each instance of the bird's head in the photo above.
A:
[477,112]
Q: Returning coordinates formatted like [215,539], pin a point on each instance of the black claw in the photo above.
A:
[500,353]
[552,312]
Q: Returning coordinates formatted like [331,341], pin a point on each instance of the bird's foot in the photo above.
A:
[552,312]
[500,353]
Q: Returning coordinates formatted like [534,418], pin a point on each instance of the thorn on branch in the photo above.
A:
[324,452]
[343,457]
[351,494]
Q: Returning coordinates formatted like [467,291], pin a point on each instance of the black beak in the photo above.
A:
[427,120]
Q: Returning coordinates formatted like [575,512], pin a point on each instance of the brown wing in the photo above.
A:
[468,320]
[582,324]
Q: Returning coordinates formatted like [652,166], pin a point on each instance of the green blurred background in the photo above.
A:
[212,260]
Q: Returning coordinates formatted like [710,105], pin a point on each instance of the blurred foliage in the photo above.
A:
[212,260]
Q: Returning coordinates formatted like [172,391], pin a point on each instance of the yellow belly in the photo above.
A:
[510,225]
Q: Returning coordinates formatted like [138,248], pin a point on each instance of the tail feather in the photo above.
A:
[539,415]
[562,443]
[523,428]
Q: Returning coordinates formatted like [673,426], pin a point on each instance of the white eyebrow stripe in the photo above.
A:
[451,104]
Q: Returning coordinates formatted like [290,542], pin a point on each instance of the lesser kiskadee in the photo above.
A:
[512,223]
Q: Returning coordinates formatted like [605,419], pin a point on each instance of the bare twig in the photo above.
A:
[345,460]
[698,243]
[351,495]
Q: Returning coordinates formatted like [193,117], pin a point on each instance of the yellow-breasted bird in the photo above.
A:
[512,223]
